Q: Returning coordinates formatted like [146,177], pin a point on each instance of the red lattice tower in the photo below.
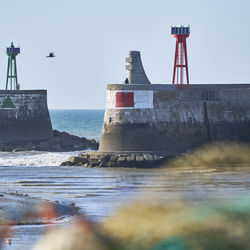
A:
[180,59]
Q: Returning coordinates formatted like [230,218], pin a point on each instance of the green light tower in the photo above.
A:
[11,80]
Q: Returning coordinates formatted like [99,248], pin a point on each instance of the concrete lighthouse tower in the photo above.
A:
[146,123]
[128,111]
[136,73]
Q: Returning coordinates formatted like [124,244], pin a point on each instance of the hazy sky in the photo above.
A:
[91,40]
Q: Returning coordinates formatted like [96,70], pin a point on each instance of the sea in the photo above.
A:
[98,192]
[83,123]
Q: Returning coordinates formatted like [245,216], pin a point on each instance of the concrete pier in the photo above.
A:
[145,124]
[163,118]
[24,116]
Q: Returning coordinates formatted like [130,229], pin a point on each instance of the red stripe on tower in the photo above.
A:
[124,99]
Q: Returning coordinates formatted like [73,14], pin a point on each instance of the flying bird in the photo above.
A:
[51,54]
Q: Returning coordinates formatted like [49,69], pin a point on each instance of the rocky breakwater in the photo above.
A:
[60,142]
[118,159]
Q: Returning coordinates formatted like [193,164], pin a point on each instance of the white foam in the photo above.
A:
[34,158]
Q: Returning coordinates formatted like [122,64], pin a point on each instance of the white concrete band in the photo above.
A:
[143,99]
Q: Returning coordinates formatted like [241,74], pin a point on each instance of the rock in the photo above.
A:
[7,148]
[75,142]
[157,157]
[146,160]
[98,162]
[111,164]
[139,158]
[93,164]
[102,164]
[82,155]
[61,142]
[121,159]
[44,145]
[105,158]
[29,146]
[148,157]
[99,156]
[83,160]
[72,159]
[77,160]
[131,158]
[114,158]
[67,163]
[18,149]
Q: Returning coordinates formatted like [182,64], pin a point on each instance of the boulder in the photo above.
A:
[157,157]
[67,163]
[114,158]
[44,145]
[121,159]
[82,155]
[77,160]
[131,158]
[61,142]
[139,158]
[111,164]
[135,159]
[29,146]
[148,157]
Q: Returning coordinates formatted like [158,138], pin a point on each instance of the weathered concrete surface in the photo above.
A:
[136,73]
[180,119]
[24,116]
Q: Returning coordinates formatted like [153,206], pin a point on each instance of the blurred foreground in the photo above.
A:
[158,223]
[215,155]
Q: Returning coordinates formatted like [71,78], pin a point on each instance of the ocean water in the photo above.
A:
[83,123]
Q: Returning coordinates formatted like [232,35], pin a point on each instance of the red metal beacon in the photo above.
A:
[180,59]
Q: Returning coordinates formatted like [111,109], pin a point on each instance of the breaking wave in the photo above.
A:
[34,158]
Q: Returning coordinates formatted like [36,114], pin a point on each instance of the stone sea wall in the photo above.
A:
[24,116]
[154,117]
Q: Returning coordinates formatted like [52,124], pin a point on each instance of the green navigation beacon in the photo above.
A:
[11,80]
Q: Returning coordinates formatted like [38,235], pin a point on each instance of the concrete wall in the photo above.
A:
[163,118]
[24,116]
[136,73]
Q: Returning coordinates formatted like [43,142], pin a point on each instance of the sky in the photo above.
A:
[91,40]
